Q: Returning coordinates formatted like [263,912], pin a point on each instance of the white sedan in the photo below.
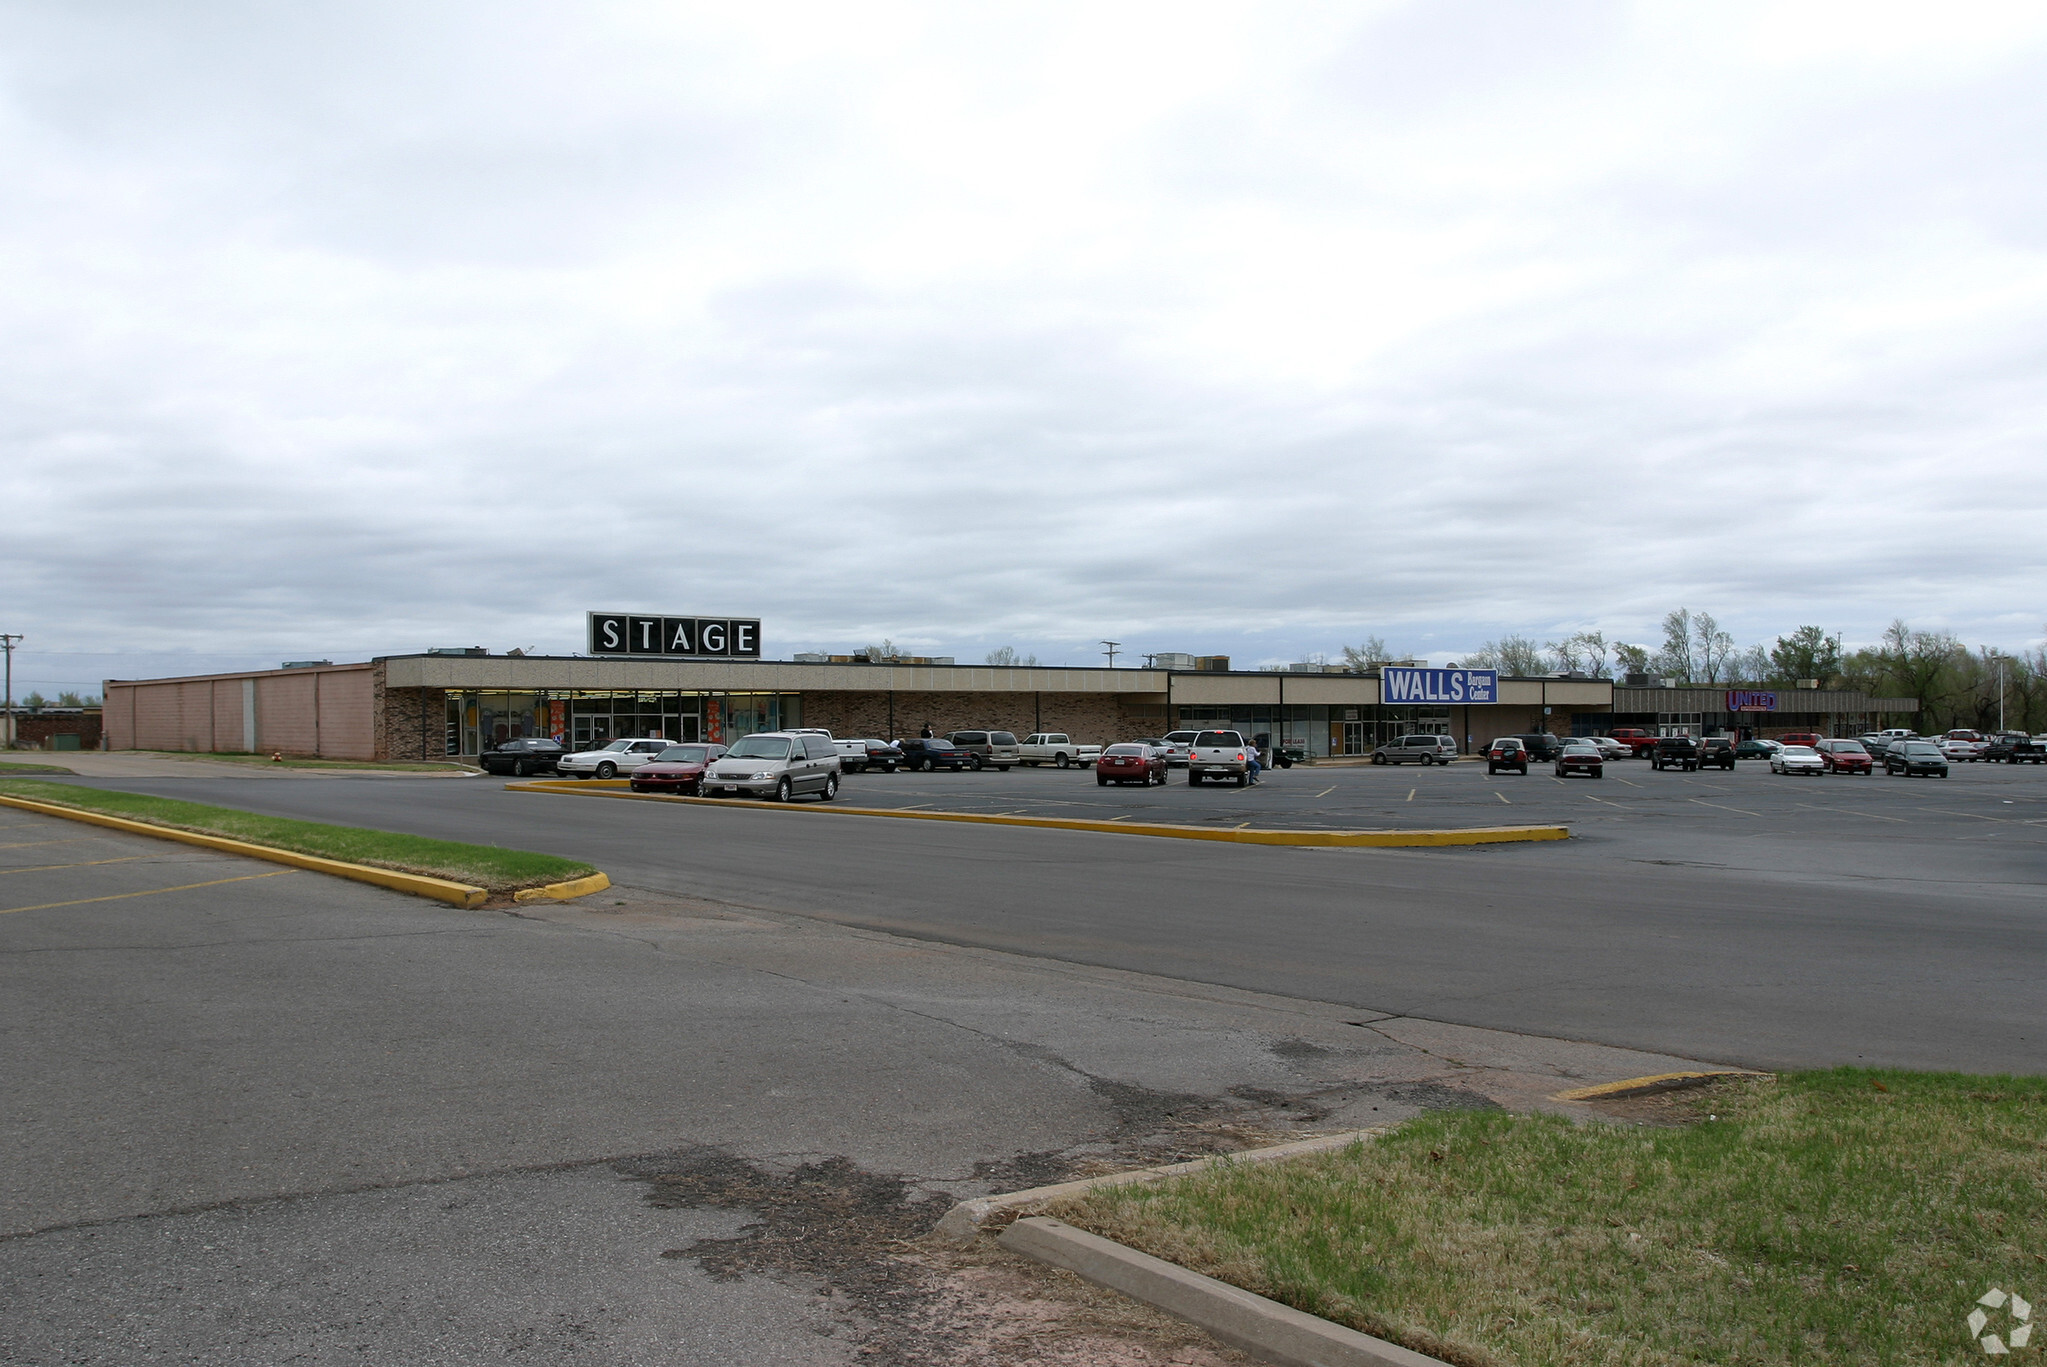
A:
[1955,750]
[613,760]
[1797,759]
[1609,748]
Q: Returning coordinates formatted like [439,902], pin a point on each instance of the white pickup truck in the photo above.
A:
[1053,747]
[1218,754]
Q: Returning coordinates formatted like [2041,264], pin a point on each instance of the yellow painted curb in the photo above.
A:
[418,884]
[564,892]
[1478,835]
[1643,1086]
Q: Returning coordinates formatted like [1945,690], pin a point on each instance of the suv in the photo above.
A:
[1426,750]
[1508,752]
[1541,744]
[1677,752]
[776,764]
[1717,751]
[998,749]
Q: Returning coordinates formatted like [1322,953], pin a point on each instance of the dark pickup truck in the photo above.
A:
[1676,752]
[2012,748]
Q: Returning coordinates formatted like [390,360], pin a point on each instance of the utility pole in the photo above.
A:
[1111,651]
[7,644]
[2000,692]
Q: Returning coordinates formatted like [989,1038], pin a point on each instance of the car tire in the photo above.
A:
[1243,780]
[1101,782]
[784,789]
[889,768]
[607,770]
[1599,773]
[1059,761]
[1002,768]
[1524,771]
[1378,759]
[975,764]
[831,788]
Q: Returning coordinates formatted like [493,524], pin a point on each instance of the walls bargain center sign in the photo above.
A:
[1399,684]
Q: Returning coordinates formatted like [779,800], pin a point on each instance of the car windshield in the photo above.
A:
[1848,747]
[682,754]
[1920,748]
[760,747]
[1579,745]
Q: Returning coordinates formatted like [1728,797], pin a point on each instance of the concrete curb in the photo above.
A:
[418,884]
[1653,1085]
[965,1220]
[1261,1327]
[1478,835]
[564,892]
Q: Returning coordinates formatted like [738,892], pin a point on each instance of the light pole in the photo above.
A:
[7,644]
[1111,651]
[2000,692]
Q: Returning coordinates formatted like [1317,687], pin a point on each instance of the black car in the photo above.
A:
[1915,756]
[934,754]
[1542,746]
[532,755]
[1678,752]
[1716,752]
[2015,747]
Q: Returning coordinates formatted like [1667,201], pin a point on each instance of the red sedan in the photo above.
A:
[1129,763]
[678,769]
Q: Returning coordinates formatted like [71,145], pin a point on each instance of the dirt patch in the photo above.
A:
[1687,1105]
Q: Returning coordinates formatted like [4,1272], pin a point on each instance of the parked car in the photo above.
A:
[1716,752]
[1508,752]
[1611,747]
[858,756]
[620,755]
[1056,748]
[2015,747]
[1177,744]
[1638,741]
[1423,750]
[1675,752]
[529,755]
[1964,733]
[1218,754]
[1581,757]
[1845,757]
[1956,751]
[777,765]
[1797,759]
[934,754]
[990,749]
[1915,757]
[1541,744]
[1757,749]
[678,769]
[1808,739]
[1131,762]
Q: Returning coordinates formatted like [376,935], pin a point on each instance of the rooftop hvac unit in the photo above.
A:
[457,650]
[1214,664]
[304,664]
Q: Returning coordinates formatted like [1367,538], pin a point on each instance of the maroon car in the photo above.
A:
[1845,757]
[678,769]
[1131,763]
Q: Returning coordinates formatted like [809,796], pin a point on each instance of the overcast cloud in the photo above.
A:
[339,330]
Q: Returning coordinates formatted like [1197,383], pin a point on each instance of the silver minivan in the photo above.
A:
[777,765]
[1419,749]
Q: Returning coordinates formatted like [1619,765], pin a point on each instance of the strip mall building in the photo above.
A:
[439,704]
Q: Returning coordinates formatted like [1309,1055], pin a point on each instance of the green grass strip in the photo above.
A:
[484,866]
[1848,1217]
[10,767]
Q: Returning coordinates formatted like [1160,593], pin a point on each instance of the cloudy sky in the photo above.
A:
[331,330]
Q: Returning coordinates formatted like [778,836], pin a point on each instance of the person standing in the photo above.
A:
[926,732]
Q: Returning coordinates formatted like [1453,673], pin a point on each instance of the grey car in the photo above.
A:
[777,765]
[1424,750]
[990,749]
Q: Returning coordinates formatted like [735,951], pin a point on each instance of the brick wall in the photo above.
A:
[326,713]
[38,729]
[410,723]
[1090,718]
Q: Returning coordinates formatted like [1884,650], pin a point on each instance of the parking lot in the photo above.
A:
[1979,802]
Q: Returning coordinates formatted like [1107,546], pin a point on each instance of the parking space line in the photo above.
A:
[1813,806]
[27,844]
[1630,782]
[1617,806]
[45,868]
[1410,793]
[1722,806]
[1327,791]
[1502,797]
[149,892]
[1943,811]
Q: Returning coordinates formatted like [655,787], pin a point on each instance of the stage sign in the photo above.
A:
[1738,701]
[1398,684]
[724,638]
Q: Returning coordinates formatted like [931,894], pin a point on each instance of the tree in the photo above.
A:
[1585,652]
[1516,656]
[1921,664]
[1680,640]
[1006,655]
[35,702]
[1807,653]
[885,651]
[1629,659]
[1716,650]
[1749,666]
[69,700]
[1367,654]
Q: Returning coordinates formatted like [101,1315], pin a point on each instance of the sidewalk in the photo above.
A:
[154,764]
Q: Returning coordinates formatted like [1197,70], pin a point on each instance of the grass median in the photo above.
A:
[10,767]
[485,866]
[1838,1217]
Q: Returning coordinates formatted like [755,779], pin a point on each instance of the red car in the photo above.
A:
[1638,741]
[1845,757]
[1581,757]
[678,769]
[1806,738]
[1128,763]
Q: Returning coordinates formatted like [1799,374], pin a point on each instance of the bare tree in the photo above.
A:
[1680,640]
[1517,656]
[1367,654]
[1006,655]
[1584,652]
[1715,647]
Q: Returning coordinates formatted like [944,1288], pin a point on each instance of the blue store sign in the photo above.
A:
[1403,685]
